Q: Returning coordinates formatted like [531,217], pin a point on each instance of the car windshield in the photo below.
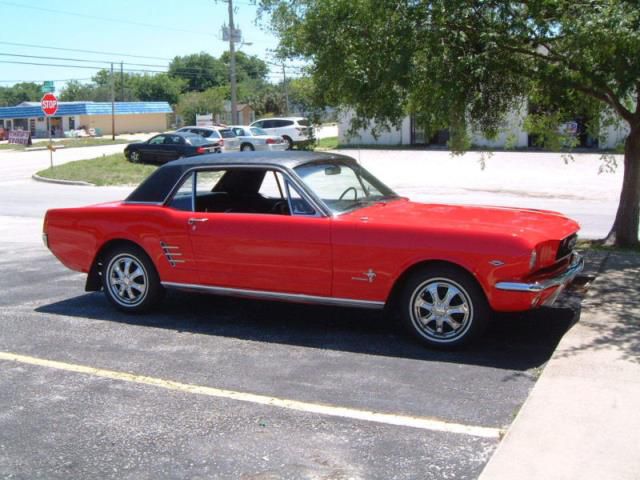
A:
[258,131]
[343,187]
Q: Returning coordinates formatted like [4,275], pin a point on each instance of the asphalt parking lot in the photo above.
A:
[57,422]
[210,387]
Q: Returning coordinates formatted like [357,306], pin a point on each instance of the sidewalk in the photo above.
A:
[582,419]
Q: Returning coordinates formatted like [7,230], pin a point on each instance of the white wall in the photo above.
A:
[397,136]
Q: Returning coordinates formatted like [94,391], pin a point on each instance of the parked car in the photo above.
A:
[296,131]
[320,229]
[166,147]
[222,137]
[254,138]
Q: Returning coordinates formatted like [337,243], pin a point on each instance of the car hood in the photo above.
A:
[534,225]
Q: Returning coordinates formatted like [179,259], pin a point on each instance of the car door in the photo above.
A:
[153,150]
[174,148]
[263,251]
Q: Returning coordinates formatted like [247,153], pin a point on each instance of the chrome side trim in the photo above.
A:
[576,266]
[287,297]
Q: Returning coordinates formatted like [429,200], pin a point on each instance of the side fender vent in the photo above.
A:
[172,252]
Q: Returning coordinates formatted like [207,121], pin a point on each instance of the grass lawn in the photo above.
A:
[68,143]
[328,143]
[106,170]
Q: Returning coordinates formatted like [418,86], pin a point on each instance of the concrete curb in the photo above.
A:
[581,419]
[78,183]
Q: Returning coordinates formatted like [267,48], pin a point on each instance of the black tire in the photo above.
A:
[247,147]
[289,142]
[457,317]
[130,280]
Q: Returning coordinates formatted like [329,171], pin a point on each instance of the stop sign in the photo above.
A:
[49,104]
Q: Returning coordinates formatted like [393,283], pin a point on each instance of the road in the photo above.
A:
[223,388]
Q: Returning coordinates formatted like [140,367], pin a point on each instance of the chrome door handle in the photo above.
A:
[193,221]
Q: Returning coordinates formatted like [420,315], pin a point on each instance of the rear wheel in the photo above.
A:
[130,280]
[443,306]
[135,157]
[247,147]
[289,142]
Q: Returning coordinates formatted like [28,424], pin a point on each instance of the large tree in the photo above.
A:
[200,71]
[464,64]
[20,92]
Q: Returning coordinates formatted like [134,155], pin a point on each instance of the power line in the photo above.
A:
[83,60]
[105,19]
[79,50]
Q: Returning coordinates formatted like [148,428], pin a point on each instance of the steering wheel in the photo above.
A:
[281,207]
[355,193]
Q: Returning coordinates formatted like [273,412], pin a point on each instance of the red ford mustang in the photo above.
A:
[316,228]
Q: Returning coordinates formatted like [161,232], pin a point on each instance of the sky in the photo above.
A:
[151,28]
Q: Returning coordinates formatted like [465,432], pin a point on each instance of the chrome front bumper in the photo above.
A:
[561,280]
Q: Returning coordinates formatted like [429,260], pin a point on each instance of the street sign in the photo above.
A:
[48,87]
[49,104]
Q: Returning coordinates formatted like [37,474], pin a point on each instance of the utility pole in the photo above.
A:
[232,53]
[122,81]
[286,89]
[113,106]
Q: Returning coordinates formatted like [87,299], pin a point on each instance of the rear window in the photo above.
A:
[196,140]
[304,123]
[227,133]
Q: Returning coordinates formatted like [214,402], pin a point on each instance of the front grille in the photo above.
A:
[566,246]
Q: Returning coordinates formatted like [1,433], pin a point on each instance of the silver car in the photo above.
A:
[254,138]
[221,137]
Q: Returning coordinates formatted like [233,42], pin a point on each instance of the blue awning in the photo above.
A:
[88,108]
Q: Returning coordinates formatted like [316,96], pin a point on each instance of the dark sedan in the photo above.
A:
[166,147]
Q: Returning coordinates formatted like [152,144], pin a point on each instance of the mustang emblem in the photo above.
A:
[370,276]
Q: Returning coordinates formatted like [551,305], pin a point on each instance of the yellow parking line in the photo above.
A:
[329,410]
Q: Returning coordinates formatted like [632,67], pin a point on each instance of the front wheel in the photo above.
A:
[130,280]
[289,143]
[443,306]
[247,147]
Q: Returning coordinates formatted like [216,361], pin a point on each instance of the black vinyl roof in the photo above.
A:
[159,184]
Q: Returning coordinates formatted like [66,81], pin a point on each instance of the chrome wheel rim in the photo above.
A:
[441,310]
[127,280]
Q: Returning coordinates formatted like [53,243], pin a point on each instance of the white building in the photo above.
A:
[512,135]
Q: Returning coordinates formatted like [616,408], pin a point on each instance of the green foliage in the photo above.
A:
[200,71]
[247,67]
[192,103]
[159,87]
[461,63]
[20,92]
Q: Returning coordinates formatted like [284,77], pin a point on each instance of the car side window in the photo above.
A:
[297,204]
[259,124]
[183,198]
[283,123]
[173,140]
[238,131]
[157,140]
[268,124]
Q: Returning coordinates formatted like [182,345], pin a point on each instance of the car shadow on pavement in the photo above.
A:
[512,341]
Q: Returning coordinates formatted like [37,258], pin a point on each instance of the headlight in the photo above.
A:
[534,258]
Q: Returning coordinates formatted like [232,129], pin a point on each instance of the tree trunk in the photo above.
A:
[624,232]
